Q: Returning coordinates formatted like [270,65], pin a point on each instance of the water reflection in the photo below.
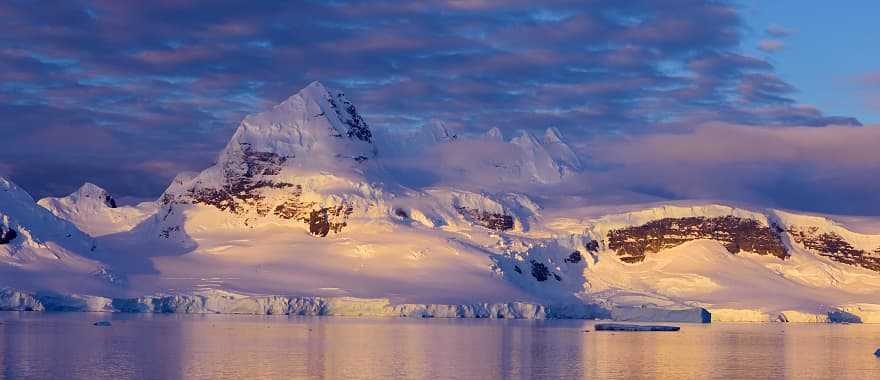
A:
[38,345]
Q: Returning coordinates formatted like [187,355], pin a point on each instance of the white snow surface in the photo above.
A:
[88,208]
[46,251]
[408,246]
[309,128]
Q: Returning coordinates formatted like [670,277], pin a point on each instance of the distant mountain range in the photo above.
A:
[310,211]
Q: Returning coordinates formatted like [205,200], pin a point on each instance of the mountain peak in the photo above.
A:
[560,151]
[94,193]
[552,136]
[526,140]
[35,225]
[314,91]
[316,128]
[494,134]
[439,132]
[14,192]
[347,121]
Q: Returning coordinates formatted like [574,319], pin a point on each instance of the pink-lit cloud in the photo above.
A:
[770,45]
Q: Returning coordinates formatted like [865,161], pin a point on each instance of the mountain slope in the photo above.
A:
[303,203]
[740,264]
[40,250]
[94,211]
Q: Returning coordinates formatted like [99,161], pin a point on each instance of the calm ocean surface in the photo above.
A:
[66,345]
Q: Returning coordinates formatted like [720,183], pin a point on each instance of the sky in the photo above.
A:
[126,95]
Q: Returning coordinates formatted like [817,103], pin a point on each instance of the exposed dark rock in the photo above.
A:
[109,201]
[835,247]
[166,232]
[250,164]
[401,213]
[346,111]
[293,208]
[250,173]
[574,258]
[319,225]
[557,277]
[103,324]
[540,271]
[7,234]
[592,246]
[490,220]
[321,220]
[840,316]
[244,178]
[737,234]
[517,269]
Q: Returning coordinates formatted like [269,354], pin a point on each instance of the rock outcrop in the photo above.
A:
[490,220]
[737,234]
[7,234]
[835,247]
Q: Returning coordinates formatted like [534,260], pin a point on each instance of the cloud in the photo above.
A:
[771,46]
[774,40]
[778,31]
[6,169]
[803,168]
[869,79]
[867,86]
[106,85]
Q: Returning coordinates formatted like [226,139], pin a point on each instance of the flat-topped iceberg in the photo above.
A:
[628,327]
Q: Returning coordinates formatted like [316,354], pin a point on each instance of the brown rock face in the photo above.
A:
[492,221]
[321,220]
[251,173]
[737,234]
[244,177]
[835,247]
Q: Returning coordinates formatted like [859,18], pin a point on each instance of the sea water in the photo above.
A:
[170,346]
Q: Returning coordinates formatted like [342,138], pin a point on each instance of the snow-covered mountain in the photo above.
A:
[303,163]
[38,249]
[307,200]
[742,265]
[478,162]
[94,210]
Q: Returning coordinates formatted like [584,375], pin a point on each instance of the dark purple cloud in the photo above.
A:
[802,168]
[126,94]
